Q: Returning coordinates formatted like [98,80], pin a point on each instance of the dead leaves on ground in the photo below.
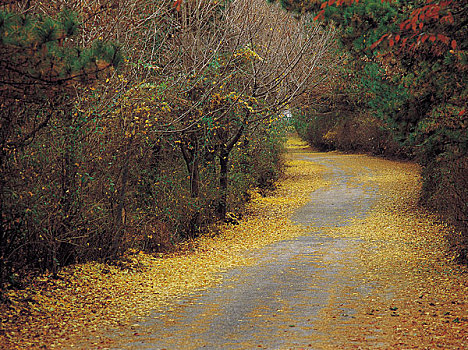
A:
[421,298]
[420,301]
[86,299]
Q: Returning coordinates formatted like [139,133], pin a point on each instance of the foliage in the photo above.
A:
[42,66]
[97,161]
[407,67]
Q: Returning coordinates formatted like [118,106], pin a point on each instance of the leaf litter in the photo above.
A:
[419,300]
[87,299]
[421,296]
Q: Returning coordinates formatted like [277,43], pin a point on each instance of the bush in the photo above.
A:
[356,133]
[445,189]
[314,127]
[257,162]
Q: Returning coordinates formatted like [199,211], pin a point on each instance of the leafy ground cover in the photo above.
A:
[88,298]
[422,298]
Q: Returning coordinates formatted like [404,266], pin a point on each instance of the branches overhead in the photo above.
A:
[245,54]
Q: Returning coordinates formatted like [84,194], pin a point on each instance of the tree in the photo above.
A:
[241,63]
[41,66]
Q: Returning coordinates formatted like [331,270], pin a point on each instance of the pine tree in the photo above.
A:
[41,61]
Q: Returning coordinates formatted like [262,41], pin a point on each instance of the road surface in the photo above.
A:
[278,302]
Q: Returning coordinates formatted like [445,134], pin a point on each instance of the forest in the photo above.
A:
[137,124]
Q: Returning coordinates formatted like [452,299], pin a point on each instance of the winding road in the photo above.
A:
[277,302]
[371,271]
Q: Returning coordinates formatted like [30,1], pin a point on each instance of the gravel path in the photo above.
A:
[277,302]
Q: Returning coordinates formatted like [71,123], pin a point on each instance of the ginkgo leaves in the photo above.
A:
[88,298]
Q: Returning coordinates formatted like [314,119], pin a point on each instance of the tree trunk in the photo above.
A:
[223,183]
[195,178]
[224,152]
[195,193]
[119,215]
[192,163]
[62,252]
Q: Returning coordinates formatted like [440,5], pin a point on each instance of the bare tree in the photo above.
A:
[233,65]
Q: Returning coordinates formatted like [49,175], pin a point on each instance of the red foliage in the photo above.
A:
[177,4]
[423,23]
[321,13]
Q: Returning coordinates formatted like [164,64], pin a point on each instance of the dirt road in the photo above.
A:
[370,273]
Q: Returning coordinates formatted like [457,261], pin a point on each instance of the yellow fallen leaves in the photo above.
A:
[421,299]
[88,298]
